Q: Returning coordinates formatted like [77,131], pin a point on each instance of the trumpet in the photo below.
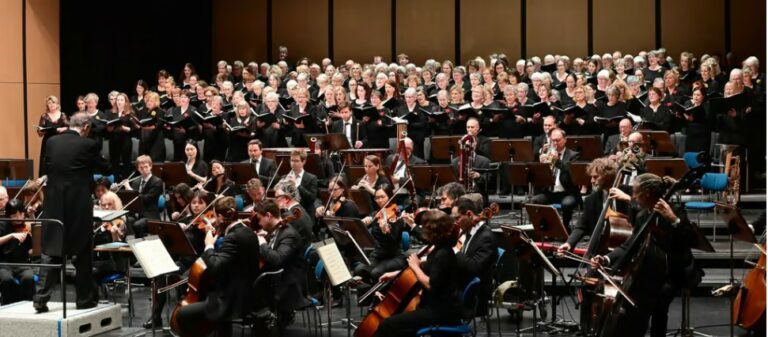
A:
[548,151]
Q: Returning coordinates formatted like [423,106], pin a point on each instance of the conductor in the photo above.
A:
[70,160]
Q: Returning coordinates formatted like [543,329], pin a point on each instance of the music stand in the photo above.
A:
[444,148]
[273,152]
[673,167]
[352,235]
[172,236]
[173,173]
[510,150]
[354,174]
[131,201]
[356,156]
[656,142]
[540,175]
[332,142]
[547,225]
[588,147]
[425,176]
[362,200]
[313,165]
[241,173]
[285,159]
[579,174]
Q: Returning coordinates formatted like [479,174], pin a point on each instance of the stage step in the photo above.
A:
[20,320]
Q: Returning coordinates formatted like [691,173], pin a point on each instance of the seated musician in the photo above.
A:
[386,230]
[373,179]
[3,198]
[305,182]
[181,196]
[220,184]
[438,276]
[549,123]
[234,267]
[288,196]
[264,167]
[196,236]
[196,168]
[149,188]
[399,174]
[340,205]
[564,192]
[349,126]
[32,197]
[477,253]
[101,186]
[105,264]
[255,191]
[602,172]
[15,247]
[480,161]
[613,141]
[482,142]
[662,275]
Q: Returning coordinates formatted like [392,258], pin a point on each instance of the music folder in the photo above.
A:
[152,256]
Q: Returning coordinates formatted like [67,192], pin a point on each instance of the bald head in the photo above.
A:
[635,138]
[625,127]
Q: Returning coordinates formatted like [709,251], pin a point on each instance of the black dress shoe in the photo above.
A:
[158,324]
[40,307]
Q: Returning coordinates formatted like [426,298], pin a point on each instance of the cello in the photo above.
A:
[642,255]
[749,304]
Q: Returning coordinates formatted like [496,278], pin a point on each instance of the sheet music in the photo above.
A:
[334,264]
[107,215]
[152,256]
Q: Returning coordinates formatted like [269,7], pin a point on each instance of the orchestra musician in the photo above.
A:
[564,192]
[70,160]
[340,205]
[480,161]
[400,175]
[149,188]
[386,229]
[3,197]
[234,267]
[655,291]
[282,247]
[114,231]
[373,179]
[549,123]
[264,167]
[305,182]
[439,277]
[181,196]
[613,141]
[15,247]
[255,190]
[287,196]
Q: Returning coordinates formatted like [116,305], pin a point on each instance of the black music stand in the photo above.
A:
[241,173]
[579,174]
[510,150]
[285,159]
[427,176]
[356,156]
[354,174]
[655,142]
[673,167]
[362,200]
[332,142]
[173,173]
[172,236]
[547,225]
[351,234]
[588,147]
[444,148]
[131,201]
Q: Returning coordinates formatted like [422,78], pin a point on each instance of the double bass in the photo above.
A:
[749,304]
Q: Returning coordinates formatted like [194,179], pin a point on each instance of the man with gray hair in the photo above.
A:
[70,160]
[288,198]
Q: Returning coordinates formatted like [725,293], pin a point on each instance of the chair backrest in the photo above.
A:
[161,203]
[267,276]
[716,182]
[690,160]
[501,253]
[468,298]
[239,203]
[406,240]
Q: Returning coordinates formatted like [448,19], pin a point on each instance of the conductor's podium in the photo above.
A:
[20,320]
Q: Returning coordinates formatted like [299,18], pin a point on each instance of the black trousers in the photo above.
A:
[379,266]
[407,324]
[191,316]
[651,307]
[567,200]
[10,291]
[85,286]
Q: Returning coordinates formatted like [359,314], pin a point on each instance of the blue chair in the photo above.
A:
[468,302]
[239,203]
[110,177]
[112,280]
[711,182]
[406,240]
[161,203]
[313,303]
[14,182]
[690,160]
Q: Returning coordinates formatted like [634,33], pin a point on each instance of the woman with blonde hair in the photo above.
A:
[52,122]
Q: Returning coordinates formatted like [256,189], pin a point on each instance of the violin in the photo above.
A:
[203,219]
[389,213]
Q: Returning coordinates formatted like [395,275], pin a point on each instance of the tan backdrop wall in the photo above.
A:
[611,31]
[502,35]
[697,26]
[240,28]
[302,25]
[361,29]
[556,27]
[425,29]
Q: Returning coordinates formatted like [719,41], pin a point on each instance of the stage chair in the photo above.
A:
[468,301]
[713,183]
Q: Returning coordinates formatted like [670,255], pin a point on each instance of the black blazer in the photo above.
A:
[481,162]
[267,169]
[593,206]
[478,260]
[358,130]
[235,267]
[308,190]
[564,165]
[70,162]
[303,225]
[286,252]
[149,196]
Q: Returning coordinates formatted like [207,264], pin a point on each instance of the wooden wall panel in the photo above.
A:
[612,31]
[361,30]
[10,41]
[556,27]
[43,41]
[12,127]
[302,26]
[697,26]
[425,29]
[239,30]
[748,30]
[490,26]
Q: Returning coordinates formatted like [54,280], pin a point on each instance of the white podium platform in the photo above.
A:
[20,320]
